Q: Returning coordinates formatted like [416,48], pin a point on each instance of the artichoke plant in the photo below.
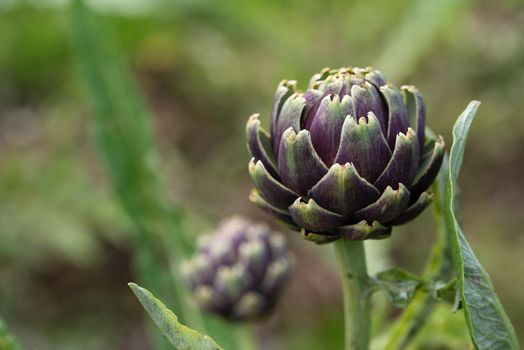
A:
[350,157]
[239,271]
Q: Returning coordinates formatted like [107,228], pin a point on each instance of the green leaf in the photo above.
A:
[180,336]
[399,284]
[488,325]
[125,140]
[123,133]
[7,342]
[447,292]
[417,317]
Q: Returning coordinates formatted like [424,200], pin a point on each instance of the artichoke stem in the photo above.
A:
[246,337]
[355,285]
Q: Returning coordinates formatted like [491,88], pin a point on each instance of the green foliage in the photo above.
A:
[417,316]
[124,137]
[179,335]
[487,322]
[125,140]
[415,35]
[399,284]
[195,60]
[59,212]
[121,121]
[7,342]
[41,47]
[442,330]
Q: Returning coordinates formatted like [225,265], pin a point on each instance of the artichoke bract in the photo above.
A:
[348,158]
[239,271]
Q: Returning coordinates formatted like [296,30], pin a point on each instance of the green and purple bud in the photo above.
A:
[240,270]
[347,158]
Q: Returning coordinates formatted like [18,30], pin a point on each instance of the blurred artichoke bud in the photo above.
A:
[349,157]
[239,271]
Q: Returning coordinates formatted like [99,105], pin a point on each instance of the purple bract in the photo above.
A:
[239,271]
[350,157]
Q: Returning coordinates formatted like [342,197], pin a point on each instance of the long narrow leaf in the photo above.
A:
[124,137]
[180,336]
[125,140]
[489,327]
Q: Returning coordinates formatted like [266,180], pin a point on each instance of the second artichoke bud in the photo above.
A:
[347,158]
[239,271]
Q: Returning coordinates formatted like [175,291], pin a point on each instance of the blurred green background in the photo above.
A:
[204,66]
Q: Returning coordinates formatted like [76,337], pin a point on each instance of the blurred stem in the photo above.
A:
[417,314]
[413,319]
[245,337]
[355,285]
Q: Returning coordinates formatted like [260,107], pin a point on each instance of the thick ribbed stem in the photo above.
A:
[355,284]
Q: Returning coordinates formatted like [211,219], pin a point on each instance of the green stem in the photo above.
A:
[245,338]
[419,311]
[355,285]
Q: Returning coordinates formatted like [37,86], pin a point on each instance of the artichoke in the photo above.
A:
[239,271]
[348,158]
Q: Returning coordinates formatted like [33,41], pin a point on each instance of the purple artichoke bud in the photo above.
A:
[349,157]
[239,271]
